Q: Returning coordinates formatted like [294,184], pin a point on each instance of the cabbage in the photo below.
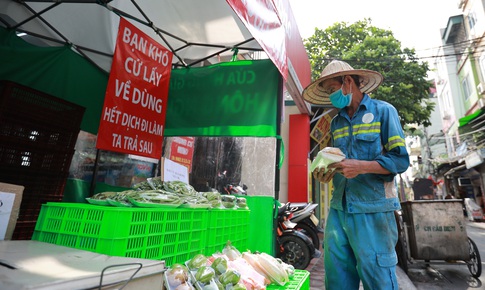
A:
[205,274]
[219,265]
[197,261]
[230,277]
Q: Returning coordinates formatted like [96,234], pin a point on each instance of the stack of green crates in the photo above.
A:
[171,234]
[174,235]
[299,281]
[227,225]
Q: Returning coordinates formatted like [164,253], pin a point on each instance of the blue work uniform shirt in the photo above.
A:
[373,133]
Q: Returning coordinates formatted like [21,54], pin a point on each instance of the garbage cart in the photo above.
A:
[434,230]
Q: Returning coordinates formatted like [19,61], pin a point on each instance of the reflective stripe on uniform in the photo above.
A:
[367,128]
[342,132]
[394,141]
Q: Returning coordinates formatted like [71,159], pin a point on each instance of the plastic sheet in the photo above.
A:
[219,161]
[325,157]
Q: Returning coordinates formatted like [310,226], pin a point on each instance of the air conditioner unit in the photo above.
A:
[481,88]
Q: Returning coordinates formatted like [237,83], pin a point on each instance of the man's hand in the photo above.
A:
[323,175]
[350,168]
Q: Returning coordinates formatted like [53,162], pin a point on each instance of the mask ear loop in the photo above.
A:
[350,90]
[343,83]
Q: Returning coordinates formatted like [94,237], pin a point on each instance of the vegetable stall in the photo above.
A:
[67,69]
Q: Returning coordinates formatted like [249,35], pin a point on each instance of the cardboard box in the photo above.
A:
[36,265]
[10,199]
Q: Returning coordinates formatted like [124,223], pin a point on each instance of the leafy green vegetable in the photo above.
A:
[230,277]
[197,261]
[241,202]
[219,265]
[205,274]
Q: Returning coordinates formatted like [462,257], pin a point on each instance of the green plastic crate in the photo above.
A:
[173,234]
[227,225]
[299,281]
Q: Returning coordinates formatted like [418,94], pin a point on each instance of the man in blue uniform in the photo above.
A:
[361,232]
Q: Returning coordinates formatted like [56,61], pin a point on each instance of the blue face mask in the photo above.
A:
[339,100]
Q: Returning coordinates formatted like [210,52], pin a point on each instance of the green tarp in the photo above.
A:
[227,99]
[57,71]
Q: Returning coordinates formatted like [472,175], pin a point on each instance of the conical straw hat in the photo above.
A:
[315,94]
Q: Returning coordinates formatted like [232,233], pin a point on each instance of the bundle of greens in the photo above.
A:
[213,197]
[156,191]
[156,196]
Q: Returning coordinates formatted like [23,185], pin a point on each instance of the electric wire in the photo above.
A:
[457,46]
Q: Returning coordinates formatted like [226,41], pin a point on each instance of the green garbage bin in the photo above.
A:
[261,224]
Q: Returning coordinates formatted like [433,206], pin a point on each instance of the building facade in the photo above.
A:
[460,88]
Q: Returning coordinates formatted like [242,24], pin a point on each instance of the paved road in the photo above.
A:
[452,276]
[442,276]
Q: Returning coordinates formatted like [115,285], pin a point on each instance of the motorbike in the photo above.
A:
[306,221]
[294,247]
[235,189]
[229,188]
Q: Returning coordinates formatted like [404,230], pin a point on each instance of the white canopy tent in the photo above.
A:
[197,32]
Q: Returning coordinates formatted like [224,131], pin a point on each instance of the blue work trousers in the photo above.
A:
[360,247]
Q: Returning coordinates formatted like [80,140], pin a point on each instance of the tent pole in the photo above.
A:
[95,174]
[279,112]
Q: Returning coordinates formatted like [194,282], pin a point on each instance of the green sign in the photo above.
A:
[227,99]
